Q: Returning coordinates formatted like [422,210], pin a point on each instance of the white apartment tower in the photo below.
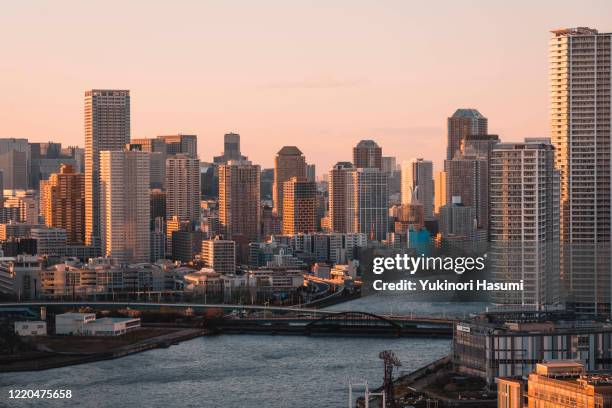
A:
[580,76]
[125,205]
[367,202]
[524,215]
[107,127]
[183,188]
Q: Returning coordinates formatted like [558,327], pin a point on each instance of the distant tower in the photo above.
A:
[289,162]
[463,123]
[367,154]
[419,173]
[63,203]
[299,206]
[239,200]
[125,206]
[183,188]
[107,127]
[231,149]
[181,144]
[367,202]
[337,181]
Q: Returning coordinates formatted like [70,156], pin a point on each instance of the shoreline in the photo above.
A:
[50,360]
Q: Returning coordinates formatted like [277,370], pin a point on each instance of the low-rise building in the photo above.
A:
[492,346]
[31,328]
[557,383]
[86,324]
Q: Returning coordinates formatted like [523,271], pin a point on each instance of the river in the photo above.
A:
[241,370]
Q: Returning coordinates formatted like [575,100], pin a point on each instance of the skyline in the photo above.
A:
[371,79]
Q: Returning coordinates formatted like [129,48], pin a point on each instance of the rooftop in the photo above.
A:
[468,113]
[290,151]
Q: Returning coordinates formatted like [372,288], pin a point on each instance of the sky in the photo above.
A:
[320,75]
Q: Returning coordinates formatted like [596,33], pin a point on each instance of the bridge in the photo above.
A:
[280,320]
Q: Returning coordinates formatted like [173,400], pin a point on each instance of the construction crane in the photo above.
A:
[390,361]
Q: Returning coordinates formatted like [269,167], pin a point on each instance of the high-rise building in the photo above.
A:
[311,172]
[13,165]
[62,202]
[337,181]
[27,205]
[299,206]
[239,200]
[157,149]
[183,188]
[231,149]
[289,162]
[367,154]
[468,177]
[367,202]
[181,144]
[125,205]
[525,222]
[417,176]
[389,164]
[439,191]
[107,127]
[580,79]
[220,255]
[463,123]
[46,159]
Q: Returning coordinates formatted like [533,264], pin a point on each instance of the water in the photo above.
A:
[238,370]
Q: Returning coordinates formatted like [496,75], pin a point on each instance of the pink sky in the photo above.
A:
[319,75]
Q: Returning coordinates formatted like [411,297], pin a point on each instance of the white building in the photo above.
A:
[31,328]
[86,324]
[125,205]
[72,323]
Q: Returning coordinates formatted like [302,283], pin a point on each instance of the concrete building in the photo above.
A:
[107,127]
[19,276]
[367,154]
[157,150]
[467,176]
[220,255]
[15,163]
[367,202]
[337,182]
[439,191]
[181,144]
[567,384]
[231,149]
[86,324]
[62,202]
[239,200]
[125,205]
[299,206]
[47,158]
[510,344]
[525,222]
[417,177]
[31,328]
[463,123]
[50,241]
[289,162]
[27,204]
[183,188]
[581,113]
